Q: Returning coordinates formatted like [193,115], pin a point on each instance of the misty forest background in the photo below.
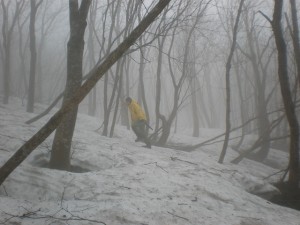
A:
[229,64]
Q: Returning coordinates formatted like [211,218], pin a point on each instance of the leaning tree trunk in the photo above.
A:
[60,155]
[294,170]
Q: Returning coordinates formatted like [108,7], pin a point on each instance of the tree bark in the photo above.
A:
[294,170]
[295,36]
[61,147]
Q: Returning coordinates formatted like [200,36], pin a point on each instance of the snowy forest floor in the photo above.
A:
[123,183]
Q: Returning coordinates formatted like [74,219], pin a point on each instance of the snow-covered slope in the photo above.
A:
[127,184]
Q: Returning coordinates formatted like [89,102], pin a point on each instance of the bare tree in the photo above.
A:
[60,155]
[295,36]
[112,15]
[131,15]
[188,71]
[193,85]
[31,89]
[237,69]
[294,170]
[177,83]
[142,62]
[113,9]
[256,57]
[227,74]
[91,55]
[160,43]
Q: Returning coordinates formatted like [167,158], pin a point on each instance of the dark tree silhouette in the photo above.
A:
[61,148]
[295,36]
[294,170]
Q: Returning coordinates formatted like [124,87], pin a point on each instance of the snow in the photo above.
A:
[127,184]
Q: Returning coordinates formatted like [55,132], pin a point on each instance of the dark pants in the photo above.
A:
[139,128]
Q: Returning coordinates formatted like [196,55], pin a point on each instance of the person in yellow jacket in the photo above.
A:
[138,121]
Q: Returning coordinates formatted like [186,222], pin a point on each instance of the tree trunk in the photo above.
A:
[92,99]
[193,85]
[142,63]
[23,86]
[260,97]
[295,36]
[212,118]
[228,66]
[108,104]
[125,92]
[31,88]
[6,73]
[294,170]
[195,112]
[60,155]
[7,50]
[158,84]
[115,96]
[118,98]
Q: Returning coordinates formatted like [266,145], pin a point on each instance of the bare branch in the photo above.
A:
[264,15]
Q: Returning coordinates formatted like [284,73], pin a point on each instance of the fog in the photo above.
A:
[229,68]
[179,62]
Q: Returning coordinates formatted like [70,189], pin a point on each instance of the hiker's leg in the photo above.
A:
[139,128]
[143,133]
[136,130]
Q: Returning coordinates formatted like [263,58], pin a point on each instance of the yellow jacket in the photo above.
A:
[136,111]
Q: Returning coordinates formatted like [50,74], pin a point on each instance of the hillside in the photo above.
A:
[122,183]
